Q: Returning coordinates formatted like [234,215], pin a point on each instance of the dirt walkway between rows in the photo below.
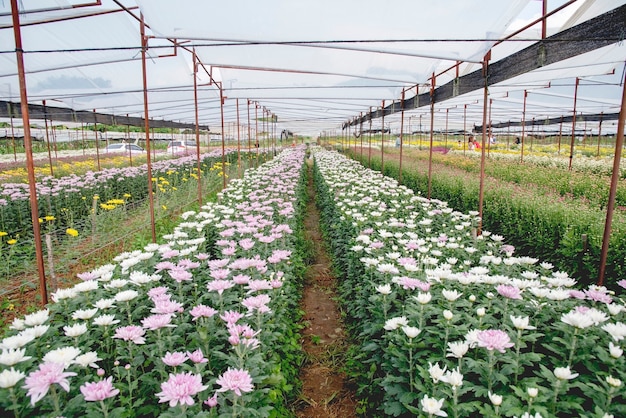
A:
[325,390]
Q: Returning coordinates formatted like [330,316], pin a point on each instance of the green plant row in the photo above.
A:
[567,235]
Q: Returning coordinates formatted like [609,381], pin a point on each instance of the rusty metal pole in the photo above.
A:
[238,141]
[619,141]
[521,158]
[95,130]
[28,149]
[432,128]
[45,122]
[571,147]
[599,132]
[249,134]
[197,121]
[544,21]
[481,192]
[12,132]
[369,155]
[144,47]
[401,136]
[560,133]
[361,132]
[464,127]
[382,141]
[256,132]
[222,99]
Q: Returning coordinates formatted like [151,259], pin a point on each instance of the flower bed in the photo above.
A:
[205,325]
[448,323]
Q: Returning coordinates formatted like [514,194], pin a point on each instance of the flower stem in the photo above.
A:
[571,353]
[16,410]
[517,348]
[55,401]
[105,411]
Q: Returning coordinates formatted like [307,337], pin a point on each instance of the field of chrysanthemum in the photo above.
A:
[205,322]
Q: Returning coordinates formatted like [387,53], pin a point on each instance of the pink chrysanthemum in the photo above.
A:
[131,333]
[154,322]
[237,380]
[219,286]
[39,381]
[99,391]
[493,339]
[202,311]
[510,292]
[174,359]
[180,388]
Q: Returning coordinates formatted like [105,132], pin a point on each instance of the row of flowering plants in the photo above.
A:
[202,325]
[449,322]
[70,198]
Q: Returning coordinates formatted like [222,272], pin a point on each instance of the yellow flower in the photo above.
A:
[164,207]
[3,234]
[72,232]
[115,202]
[96,197]
[12,241]
[49,218]
[11,307]
[107,206]
[126,195]
[40,220]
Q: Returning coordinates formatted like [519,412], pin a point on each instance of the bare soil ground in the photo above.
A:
[326,391]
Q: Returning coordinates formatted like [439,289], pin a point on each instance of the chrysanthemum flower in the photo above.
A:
[99,391]
[237,380]
[180,388]
[39,381]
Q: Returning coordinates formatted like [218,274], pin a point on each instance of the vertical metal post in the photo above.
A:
[401,136]
[144,47]
[489,131]
[45,121]
[544,21]
[522,139]
[256,132]
[197,121]
[369,148]
[619,141]
[446,132]
[432,128]
[12,132]
[532,133]
[28,149]
[599,132]
[249,134]
[95,130]
[464,127]
[222,99]
[571,147]
[238,140]
[481,192]
[560,133]
[382,141]
[361,132]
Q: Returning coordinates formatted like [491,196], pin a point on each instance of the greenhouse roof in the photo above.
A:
[318,65]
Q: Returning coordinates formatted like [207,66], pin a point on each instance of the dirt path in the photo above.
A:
[325,390]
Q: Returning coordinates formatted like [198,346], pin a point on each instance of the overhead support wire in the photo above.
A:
[540,54]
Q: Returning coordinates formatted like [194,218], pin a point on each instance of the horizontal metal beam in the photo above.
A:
[588,36]
[62,114]
[595,117]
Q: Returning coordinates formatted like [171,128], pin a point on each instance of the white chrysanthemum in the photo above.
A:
[388,268]
[615,350]
[139,277]
[88,359]
[521,322]
[86,286]
[116,284]
[126,295]
[62,294]
[17,324]
[37,318]
[558,294]
[453,377]
[451,295]
[35,332]
[16,341]
[596,316]
[384,289]
[436,372]
[11,357]
[105,320]
[395,323]
[411,332]
[423,298]
[614,308]
[617,330]
[10,377]
[564,373]
[75,330]
[84,314]
[457,349]
[496,400]
[577,319]
[105,304]
[63,355]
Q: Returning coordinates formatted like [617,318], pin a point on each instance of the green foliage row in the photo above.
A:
[567,235]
